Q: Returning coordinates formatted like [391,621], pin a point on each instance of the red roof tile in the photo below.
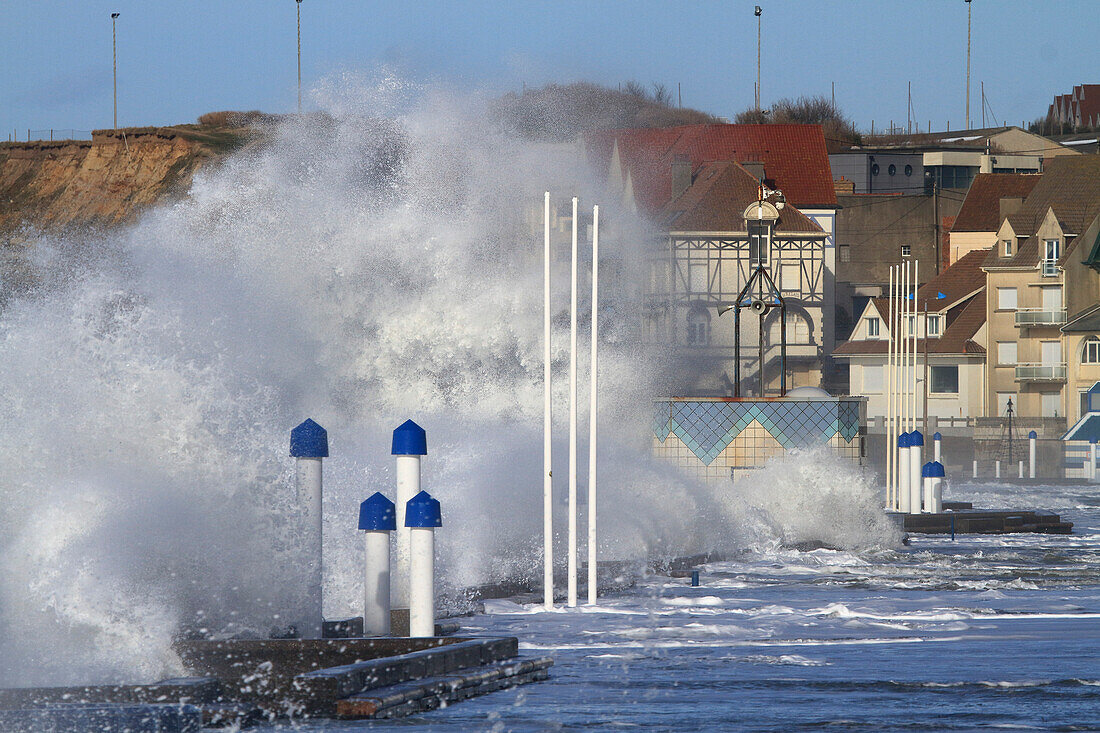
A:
[794,157]
[716,199]
[981,210]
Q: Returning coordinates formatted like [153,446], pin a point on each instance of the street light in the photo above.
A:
[114,64]
[299,6]
[968,64]
[758,11]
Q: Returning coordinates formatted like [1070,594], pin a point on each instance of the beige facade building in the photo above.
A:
[1042,294]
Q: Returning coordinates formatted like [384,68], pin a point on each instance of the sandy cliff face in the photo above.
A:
[55,185]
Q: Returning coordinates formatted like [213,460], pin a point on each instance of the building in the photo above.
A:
[943,160]
[1080,108]
[991,198]
[951,338]
[725,200]
[1044,290]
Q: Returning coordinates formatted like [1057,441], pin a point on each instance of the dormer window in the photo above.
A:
[1007,248]
[758,243]
[873,328]
[935,324]
[1052,251]
[906,250]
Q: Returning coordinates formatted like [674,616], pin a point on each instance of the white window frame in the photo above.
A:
[906,250]
[1007,248]
[874,329]
[1090,351]
[935,325]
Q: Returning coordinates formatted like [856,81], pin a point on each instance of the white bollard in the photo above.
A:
[936,440]
[309,445]
[378,517]
[422,516]
[1021,469]
[1092,460]
[933,474]
[975,469]
[1031,438]
[410,442]
[997,473]
[904,474]
[916,460]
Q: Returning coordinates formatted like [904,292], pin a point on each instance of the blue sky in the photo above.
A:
[180,59]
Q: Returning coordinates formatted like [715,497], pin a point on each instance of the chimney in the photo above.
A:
[755,167]
[1010,205]
[681,175]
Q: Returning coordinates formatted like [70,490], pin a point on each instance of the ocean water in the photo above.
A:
[986,632]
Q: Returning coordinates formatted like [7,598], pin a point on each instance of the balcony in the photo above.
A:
[1026,317]
[1041,372]
[1049,268]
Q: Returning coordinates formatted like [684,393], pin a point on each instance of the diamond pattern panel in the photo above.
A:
[661,420]
[708,428]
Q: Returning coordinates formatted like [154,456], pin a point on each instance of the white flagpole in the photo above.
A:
[916,332]
[547,480]
[888,389]
[572,580]
[905,348]
[592,410]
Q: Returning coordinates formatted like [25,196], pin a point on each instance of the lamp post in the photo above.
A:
[299,6]
[967,63]
[757,12]
[114,64]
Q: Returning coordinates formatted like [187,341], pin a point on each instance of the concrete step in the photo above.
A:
[397,701]
[103,718]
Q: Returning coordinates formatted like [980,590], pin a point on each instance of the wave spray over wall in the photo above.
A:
[374,262]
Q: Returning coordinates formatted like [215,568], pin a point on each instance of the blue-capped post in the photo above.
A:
[410,442]
[1032,437]
[933,474]
[422,516]
[936,440]
[377,518]
[309,445]
[916,460]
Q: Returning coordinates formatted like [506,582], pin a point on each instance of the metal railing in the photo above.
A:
[1039,317]
[55,133]
[1049,268]
[1041,372]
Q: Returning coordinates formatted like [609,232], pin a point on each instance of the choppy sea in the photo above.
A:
[983,632]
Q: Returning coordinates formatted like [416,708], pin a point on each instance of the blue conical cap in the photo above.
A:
[1032,435]
[937,436]
[903,440]
[423,511]
[409,439]
[916,438]
[933,469]
[309,440]
[378,513]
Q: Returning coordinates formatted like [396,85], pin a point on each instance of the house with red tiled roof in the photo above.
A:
[1080,108]
[992,197]
[719,228]
[951,344]
[696,184]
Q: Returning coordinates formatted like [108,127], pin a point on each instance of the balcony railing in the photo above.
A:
[1041,372]
[1049,268]
[1039,317]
